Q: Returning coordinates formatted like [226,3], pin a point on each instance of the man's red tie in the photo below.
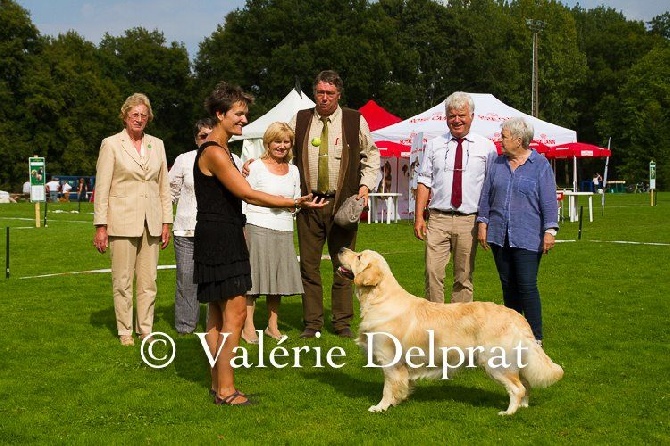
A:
[457,185]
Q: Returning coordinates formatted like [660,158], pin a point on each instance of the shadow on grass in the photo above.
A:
[425,390]
[105,318]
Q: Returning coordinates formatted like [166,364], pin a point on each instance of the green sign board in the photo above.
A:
[36,170]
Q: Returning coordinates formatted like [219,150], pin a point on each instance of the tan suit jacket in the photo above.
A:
[130,189]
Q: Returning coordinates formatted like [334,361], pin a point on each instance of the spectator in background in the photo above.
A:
[182,190]
[132,214]
[517,218]
[453,169]
[597,182]
[65,189]
[26,190]
[275,271]
[82,190]
[52,189]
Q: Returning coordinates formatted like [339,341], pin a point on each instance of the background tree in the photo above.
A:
[599,73]
[641,119]
[19,45]
[140,61]
[69,104]
[661,25]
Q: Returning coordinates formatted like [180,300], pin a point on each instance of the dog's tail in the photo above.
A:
[540,370]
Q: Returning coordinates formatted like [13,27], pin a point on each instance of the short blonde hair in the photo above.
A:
[134,100]
[275,131]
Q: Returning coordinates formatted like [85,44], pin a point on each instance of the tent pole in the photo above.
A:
[607,163]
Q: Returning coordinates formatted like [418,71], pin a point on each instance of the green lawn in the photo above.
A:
[64,377]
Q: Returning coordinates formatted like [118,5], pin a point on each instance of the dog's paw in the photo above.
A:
[506,412]
[377,408]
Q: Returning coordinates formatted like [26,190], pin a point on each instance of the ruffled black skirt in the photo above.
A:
[221,261]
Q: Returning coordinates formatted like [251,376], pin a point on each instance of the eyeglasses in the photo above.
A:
[141,116]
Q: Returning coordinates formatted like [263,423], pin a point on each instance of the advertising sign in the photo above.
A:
[37,169]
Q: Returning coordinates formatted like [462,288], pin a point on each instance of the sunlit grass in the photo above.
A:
[64,378]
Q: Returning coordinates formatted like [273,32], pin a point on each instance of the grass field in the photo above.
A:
[65,379]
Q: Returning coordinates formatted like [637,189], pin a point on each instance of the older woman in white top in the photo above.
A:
[275,271]
[186,305]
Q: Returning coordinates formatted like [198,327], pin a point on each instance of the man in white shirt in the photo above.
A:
[66,188]
[52,189]
[453,169]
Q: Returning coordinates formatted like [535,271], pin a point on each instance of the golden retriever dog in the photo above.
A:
[411,338]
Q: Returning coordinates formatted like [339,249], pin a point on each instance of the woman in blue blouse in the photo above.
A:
[518,219]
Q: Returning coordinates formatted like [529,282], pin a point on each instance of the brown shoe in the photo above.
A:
[310,333]
[344,332]
[126,340]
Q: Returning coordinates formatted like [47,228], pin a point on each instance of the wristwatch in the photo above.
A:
[552,231]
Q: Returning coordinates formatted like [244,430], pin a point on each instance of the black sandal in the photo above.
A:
[228,401]
[212,392]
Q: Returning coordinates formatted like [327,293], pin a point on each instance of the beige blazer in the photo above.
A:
[131,190]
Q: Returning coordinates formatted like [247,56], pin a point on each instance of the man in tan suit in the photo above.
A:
[132,213]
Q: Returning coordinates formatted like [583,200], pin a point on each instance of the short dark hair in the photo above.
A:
[224,96]
[204,122]
[329,77]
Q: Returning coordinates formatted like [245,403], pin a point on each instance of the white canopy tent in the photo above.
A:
[417,130]
[489,114]
[252,133]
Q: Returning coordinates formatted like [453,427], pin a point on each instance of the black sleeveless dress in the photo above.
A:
[221,259]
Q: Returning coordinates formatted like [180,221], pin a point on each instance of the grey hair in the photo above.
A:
[518,127]
[458,100]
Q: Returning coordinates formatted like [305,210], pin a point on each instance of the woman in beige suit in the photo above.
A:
[132,214]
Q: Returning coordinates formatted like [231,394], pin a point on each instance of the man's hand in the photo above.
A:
[420,227]
[363,192]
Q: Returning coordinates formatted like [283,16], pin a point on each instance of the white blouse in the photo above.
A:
[287,185]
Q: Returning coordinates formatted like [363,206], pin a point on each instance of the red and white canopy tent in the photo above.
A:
[490,112]
[377,118]
[394,156]
[576,150]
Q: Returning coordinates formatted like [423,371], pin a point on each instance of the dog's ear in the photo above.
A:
[370,276]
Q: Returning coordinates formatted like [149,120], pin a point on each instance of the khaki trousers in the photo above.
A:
[134,258]
[447,235]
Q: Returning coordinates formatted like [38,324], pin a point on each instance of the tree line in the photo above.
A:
[598,73]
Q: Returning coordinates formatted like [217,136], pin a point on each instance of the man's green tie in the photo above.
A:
[323,180]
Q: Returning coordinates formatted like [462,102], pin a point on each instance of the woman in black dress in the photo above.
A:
[222,270]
